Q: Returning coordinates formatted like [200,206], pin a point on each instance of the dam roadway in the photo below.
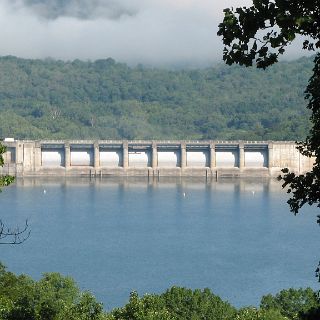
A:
[101,158]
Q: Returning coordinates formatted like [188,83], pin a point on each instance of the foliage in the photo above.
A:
[176,304]
[251,313]
[196,304]
[306,188]
[108,100]
[9,235]
[292,303]
[5,180]
[87,308]
[149,307]
[55,297]
[186,304]
[259,34]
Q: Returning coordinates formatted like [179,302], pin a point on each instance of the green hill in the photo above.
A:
[108,100]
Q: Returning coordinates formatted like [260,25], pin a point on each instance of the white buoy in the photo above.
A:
[184,194]
[253,192]
[44,191]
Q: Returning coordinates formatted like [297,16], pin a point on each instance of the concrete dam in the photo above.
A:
[152,158]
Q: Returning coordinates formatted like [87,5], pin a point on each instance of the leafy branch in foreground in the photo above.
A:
[5,180]
[258,35]
[306,188]
[10,235]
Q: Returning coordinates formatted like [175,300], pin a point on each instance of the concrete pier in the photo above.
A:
[241,156]
[152,158]
[67,155]
[125,155]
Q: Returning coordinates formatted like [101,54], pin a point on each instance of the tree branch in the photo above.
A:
[14,236]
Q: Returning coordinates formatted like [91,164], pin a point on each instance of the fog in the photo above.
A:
[151,32]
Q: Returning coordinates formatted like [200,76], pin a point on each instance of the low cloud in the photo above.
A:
[152,32]
[81,9]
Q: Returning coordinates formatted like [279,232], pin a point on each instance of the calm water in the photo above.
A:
[114,236]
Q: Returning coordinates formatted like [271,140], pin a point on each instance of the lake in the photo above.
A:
[113,236]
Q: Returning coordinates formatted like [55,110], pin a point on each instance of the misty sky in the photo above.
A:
[152,32]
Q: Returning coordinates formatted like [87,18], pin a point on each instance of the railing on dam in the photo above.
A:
[155,158]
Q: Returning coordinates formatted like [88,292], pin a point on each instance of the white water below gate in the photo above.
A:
[197,159]
[52,158]
[169,159]
[81,157]
[110,158]
[256,159]
[227,159]
[139,159]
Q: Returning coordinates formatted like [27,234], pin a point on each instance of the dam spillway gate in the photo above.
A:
[152,158]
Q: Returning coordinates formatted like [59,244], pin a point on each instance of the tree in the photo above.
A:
[251,313]
[53,297]
[5,180]
[196,304]
[292,303]
[175,304]
[258,35]
[10,235]
[148,307]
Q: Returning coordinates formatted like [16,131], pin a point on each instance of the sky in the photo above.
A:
[151,32]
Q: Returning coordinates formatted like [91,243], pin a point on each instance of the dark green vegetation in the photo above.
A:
[55,297]
[107,100]
[258,35]
[9,235]
[5,180]
[52,297]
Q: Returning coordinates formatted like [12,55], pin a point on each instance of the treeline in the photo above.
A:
[108,100]
[55,297]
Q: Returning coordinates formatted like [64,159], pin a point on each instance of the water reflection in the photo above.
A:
[227,184]
[115,235]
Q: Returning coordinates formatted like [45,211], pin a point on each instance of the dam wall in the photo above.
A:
[152,158]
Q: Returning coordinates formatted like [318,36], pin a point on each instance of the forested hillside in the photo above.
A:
[107,100]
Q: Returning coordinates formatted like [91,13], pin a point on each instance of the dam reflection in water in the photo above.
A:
[113,236]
